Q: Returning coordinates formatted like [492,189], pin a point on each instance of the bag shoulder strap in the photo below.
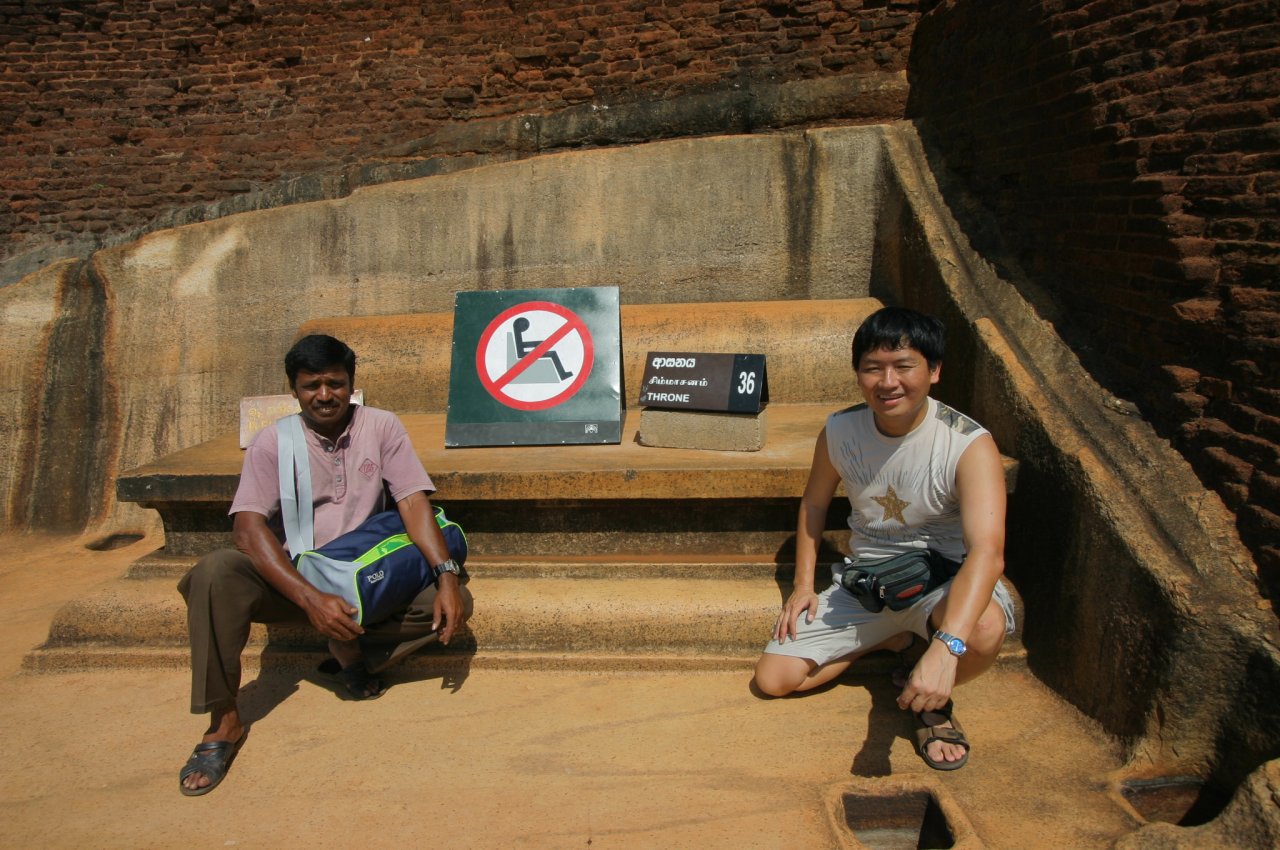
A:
[296,508]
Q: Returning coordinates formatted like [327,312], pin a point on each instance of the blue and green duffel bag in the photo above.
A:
[376,568]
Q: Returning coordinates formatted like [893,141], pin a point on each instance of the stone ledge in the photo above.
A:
[207,473]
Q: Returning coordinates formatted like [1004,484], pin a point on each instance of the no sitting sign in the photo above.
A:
[535,367]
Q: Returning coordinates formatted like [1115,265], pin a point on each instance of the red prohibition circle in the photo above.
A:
[573,323]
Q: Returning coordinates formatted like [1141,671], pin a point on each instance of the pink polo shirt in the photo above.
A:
[346,476]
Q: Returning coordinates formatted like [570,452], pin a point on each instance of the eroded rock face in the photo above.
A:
[147,348]
[1251,820]
[1142,604]
[28,311]
[59,399]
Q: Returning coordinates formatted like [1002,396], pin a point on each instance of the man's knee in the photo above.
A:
[215,574]
[988,633]
[779,675]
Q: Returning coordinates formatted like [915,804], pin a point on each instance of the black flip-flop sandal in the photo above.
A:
[360,683]
[212,759]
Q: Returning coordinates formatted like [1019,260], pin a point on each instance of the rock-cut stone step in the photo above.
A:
[528,615]
[644,615]
[626,565]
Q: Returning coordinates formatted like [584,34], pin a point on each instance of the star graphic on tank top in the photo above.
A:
[893,506]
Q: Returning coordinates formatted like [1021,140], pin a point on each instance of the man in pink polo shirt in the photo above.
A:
[358,455]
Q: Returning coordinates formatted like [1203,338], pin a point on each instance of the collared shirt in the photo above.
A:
[350,476]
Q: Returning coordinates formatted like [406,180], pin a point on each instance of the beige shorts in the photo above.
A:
[842,627]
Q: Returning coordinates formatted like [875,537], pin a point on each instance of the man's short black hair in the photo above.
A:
[893,328]
[316,353]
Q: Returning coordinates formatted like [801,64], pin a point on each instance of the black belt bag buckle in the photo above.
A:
[898,582]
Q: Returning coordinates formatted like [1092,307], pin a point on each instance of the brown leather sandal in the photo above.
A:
[930,729]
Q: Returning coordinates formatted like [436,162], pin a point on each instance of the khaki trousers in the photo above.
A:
[225,594]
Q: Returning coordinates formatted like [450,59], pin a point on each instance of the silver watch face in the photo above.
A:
[449,566]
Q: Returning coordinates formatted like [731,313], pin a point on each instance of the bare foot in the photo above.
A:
[942,751]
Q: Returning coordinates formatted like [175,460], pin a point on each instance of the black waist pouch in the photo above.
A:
[898,582]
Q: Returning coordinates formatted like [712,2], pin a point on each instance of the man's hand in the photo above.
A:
[333,617]
[802,600]
[330,615]
[931,681]
[448,607]
[448,612]
[818,492]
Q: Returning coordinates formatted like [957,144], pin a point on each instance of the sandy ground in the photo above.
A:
[505,759]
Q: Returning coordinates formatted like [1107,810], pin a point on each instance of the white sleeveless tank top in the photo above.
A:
[902,489]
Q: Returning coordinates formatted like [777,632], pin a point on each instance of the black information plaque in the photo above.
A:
[732,383]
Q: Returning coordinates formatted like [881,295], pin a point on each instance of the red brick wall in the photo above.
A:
[112,112]
[1131,154]
[1130,150]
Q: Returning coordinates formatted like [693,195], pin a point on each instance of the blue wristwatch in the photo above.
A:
[953,644]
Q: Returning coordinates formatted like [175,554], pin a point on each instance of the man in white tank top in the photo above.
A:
[919,475]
